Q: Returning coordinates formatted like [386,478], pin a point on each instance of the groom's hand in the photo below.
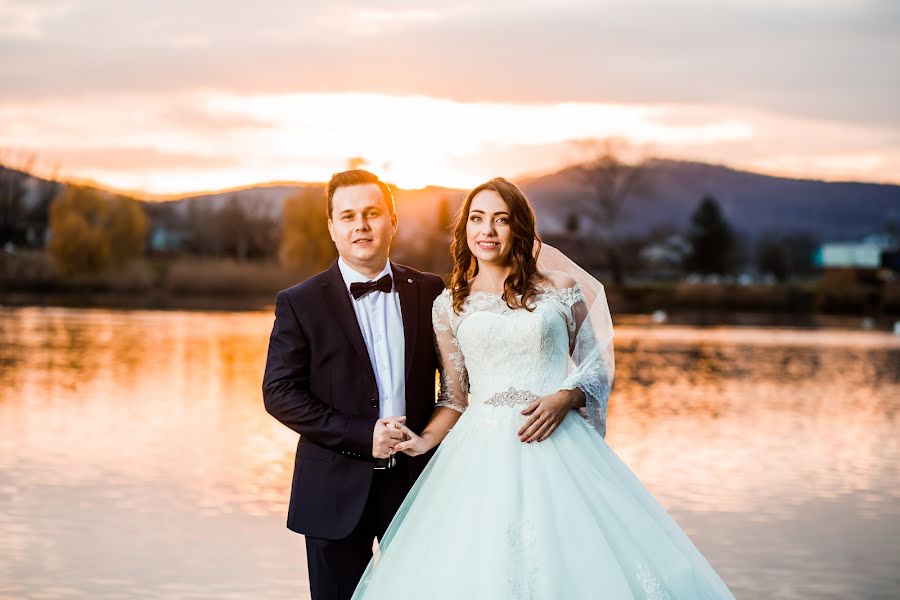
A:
[386,435]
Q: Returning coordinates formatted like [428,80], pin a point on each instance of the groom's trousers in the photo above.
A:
[336,566]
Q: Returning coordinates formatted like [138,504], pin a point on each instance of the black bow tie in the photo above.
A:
[361,289]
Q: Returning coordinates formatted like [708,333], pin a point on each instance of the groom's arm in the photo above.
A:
[286,390]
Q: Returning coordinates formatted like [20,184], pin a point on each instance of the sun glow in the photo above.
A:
[211,140]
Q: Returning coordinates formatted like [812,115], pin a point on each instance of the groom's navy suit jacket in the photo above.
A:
[319,382]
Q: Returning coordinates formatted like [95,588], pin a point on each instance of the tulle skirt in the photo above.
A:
[493,518]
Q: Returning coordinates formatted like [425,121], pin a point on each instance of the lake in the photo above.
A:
[137,460]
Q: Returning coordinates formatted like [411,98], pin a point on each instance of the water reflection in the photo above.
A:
[721,406]
[152,397]
[136,458]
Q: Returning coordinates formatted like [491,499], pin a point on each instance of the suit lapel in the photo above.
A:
[409,301]
[337,296]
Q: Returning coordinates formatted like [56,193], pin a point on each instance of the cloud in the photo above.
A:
[24,20]
[201,118]
[446,91]
[832,59]
[117,158]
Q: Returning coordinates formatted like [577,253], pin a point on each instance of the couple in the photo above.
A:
[499,489]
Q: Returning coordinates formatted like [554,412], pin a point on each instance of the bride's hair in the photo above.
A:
[519,287]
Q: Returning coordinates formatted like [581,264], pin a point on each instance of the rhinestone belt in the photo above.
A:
[512,397]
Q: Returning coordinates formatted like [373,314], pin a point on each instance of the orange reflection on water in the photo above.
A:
[149,427]
[157,398]
[714,418]
[757,421]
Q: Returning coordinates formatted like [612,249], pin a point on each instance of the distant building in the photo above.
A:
[169,230]
[669,253]
[870,259]
[164,239]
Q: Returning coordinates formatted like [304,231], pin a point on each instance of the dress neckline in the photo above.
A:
[542,288]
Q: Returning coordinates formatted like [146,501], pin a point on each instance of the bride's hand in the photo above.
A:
[414,445]
[547,413]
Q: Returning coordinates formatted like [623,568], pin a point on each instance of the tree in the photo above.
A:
[306,245]
[232,226]
[202,226]
[243,230]
[712,240]
[37,217]
[13,188]
[91,231]
[76,220]
[126,228]
[444,218]
[24,199]
[787,255]
[772,257]
[437,258]
[611,182]
[573,223]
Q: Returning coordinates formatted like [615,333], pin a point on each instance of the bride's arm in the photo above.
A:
[591,351]
[442,421]
[453,397]
[588,383]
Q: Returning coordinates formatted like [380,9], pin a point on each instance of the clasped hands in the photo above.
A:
[391,435]
[388,433]
[545,414]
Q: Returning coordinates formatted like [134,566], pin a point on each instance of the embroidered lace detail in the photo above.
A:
[568,296]
[491,302]
[454,380]
[522,540]
[512,397]
[451,404]
[651,584]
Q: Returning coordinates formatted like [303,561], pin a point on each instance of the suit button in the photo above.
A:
[374,403]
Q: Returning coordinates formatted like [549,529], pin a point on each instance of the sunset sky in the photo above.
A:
[174,97]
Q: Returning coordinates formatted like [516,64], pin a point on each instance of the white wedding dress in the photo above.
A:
[494,518]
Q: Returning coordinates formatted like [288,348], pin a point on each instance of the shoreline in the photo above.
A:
[148,301]
[196,283]
[631,316]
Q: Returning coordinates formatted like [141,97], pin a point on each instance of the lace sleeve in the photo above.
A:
[591,355]
[454,391]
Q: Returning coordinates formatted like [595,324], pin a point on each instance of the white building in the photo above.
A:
[866,254]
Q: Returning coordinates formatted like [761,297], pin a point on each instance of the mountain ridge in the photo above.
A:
[755,203]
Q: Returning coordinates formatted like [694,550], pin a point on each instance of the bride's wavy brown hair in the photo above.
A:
[519,287]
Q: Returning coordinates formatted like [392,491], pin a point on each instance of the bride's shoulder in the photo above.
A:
[561,287]
[559,280]
[443,298]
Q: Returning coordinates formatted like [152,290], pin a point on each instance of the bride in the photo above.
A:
[523,498]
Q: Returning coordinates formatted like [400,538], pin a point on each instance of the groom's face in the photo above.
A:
[362,226]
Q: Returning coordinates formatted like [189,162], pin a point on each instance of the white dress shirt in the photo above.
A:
[381,324]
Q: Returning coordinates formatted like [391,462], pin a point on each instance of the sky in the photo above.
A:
[165,97]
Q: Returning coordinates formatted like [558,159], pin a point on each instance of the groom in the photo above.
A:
[351,351]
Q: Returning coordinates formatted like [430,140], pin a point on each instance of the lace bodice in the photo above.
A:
[493,354]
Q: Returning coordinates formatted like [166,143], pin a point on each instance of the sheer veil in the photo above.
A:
[591,358]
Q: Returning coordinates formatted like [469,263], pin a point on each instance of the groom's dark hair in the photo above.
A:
[357,177]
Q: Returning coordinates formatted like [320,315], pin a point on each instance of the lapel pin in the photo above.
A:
[409,281]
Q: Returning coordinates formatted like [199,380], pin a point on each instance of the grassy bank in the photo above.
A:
[816,297]
[194,283]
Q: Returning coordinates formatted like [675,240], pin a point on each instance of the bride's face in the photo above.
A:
[487,229]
